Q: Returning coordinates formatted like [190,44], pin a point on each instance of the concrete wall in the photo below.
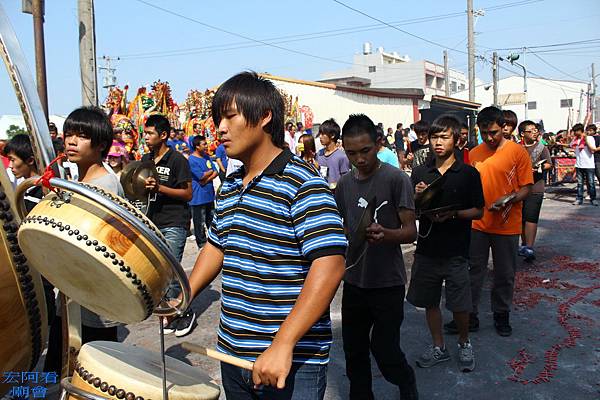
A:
[330,103]
[547,95]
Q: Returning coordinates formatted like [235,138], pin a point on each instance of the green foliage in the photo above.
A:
[14,130]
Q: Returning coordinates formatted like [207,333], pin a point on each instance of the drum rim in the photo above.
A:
[68,387]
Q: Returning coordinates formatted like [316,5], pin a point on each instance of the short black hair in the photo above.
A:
[254,97]
[444,123]
[93,122]
[490,115]
[578,127]
[289,125]
[359,124]
[380,132]
[510,118]
[196,141]
[160,123]
[592,127]
[331,129]
[524,124]
[399,125]
[20,146]
[421,127]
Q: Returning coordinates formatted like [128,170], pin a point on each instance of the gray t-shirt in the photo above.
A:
[333,166]
[378,265]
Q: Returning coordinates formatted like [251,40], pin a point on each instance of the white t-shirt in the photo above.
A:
[585,157]
[291,141]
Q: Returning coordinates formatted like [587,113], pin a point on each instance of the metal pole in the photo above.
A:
[40,53]
[446,75]
[593,93]
[525,90]
[471,50]
[87,52]
[495,77]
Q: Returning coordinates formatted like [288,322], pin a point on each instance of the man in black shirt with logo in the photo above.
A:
[443,243]
[419,151]
[168,206]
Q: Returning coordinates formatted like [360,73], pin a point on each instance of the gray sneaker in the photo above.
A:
[466,358]
[432,356]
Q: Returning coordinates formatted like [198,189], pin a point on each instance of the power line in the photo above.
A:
[240,35]
[398,29]
[551,45]
[552,66]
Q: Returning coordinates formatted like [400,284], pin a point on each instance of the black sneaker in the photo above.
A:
[186,323]
[452,329]
[171,326]
[501,323]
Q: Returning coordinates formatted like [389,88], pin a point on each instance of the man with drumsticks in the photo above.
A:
[278,240]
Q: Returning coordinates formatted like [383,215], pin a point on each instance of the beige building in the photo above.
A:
[327,100]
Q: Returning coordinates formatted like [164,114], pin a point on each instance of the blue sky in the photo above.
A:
[154,44]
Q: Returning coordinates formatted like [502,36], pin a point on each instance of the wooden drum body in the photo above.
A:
[23,317]
[90,252]
[118,371]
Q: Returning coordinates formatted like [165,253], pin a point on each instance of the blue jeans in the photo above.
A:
[305,382]
[176,237]
[588,175]
[202,216]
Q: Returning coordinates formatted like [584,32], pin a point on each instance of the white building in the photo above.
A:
[326,100]
[555,102]
[382,69]
[7,120]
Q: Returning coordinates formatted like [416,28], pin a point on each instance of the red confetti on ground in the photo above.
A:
[525,297]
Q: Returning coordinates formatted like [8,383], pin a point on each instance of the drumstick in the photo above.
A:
[226,358]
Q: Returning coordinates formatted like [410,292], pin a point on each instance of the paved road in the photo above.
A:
[561,287]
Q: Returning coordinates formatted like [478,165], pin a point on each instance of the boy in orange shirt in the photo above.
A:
[505,169]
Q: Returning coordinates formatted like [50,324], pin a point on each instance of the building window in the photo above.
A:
[566,103]
[461,86]
[372,68]
[532,105]
[453,87]
[429,80]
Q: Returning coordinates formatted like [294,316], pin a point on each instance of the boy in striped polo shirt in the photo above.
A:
[278,240]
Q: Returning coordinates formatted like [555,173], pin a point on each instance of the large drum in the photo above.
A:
[86,246]
[118,371]
[22,306]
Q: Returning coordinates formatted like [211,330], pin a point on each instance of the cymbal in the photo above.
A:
[145,170]
[126,174]
[425,199]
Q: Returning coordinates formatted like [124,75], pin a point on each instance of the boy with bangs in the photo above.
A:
[278,240]
[443,245]
[375,279]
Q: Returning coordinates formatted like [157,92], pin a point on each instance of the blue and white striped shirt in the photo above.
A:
[270,232]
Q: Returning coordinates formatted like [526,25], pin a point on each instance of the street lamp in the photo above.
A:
[512,58]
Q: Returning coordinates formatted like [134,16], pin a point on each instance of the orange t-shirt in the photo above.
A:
[503,171]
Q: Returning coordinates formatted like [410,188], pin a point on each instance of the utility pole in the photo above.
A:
[87,52]
[495,69]
[36,9]
[593,94]
[471,50]
[446,75]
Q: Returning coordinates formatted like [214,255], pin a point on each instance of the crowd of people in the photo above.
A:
[285,214]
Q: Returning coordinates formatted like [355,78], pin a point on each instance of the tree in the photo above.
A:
[14,130]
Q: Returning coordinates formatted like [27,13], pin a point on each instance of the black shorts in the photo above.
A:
[428,275]
[532,206]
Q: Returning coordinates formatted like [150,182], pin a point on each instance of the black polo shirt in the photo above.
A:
[462,188]
[173,172]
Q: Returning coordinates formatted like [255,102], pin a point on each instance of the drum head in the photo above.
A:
[108,367]
[94,257]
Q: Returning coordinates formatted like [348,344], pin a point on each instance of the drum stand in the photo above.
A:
[161,320]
